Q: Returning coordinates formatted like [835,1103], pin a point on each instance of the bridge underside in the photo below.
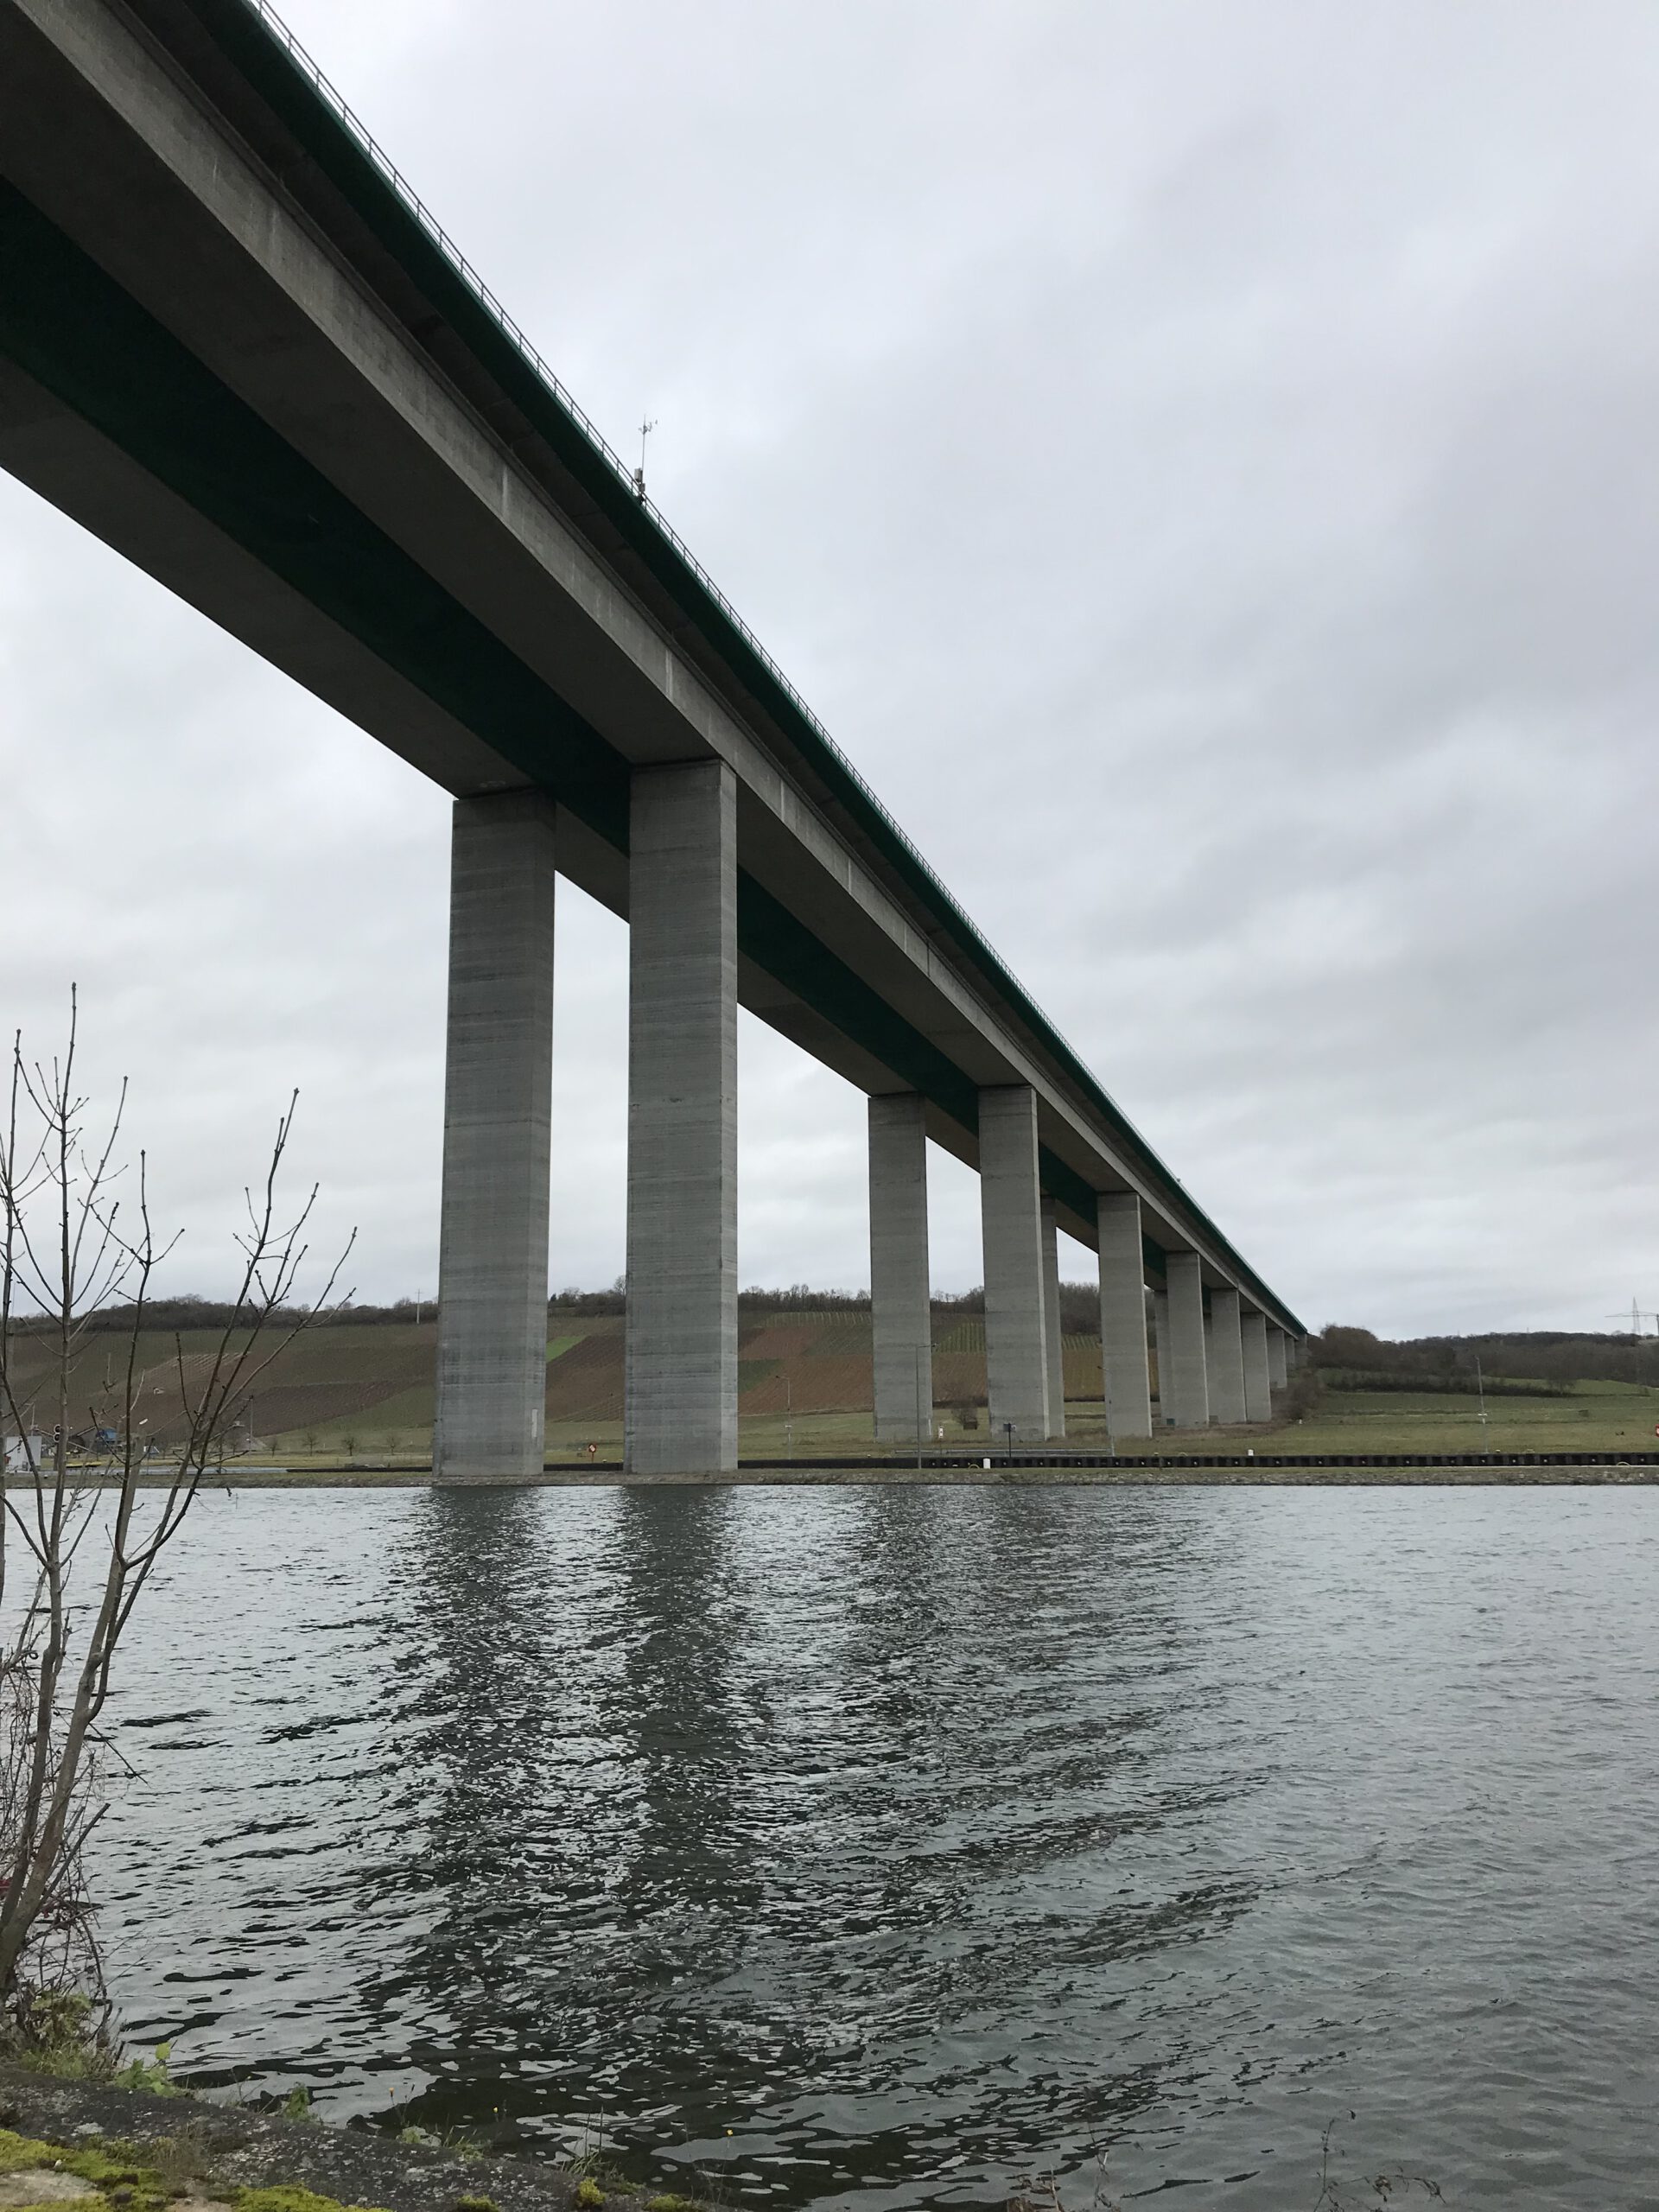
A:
[113,421]
[232,351]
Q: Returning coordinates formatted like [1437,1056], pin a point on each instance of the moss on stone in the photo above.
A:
[122,2174]
[289,2199]
[108,2166]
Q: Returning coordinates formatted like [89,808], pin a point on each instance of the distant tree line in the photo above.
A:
[1429,1381]
[1079,1308]
[576,1302]
[1345,1358]
[1530,1355]
[173,1316]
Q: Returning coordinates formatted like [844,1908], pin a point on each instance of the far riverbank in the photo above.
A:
[855,1474]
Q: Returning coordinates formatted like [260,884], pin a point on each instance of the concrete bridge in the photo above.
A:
[235,347]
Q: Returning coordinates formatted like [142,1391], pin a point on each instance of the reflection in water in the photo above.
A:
[794,1814]
[878,1845]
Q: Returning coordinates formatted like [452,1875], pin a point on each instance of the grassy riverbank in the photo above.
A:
[1590,1417]
[360,1394]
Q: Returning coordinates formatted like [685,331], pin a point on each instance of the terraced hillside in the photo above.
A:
[363,1391]
[366,1390]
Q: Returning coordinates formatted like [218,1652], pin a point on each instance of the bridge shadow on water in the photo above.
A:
[830,1842]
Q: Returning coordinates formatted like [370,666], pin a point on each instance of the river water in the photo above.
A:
[882,1848]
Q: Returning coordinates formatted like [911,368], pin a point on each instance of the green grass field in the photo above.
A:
[1595,1417]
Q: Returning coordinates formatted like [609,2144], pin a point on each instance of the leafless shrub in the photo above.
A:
[72,1510]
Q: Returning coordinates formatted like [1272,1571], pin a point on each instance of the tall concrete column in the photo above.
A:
[1227,1369]
[1276,1372]
[1124,1314]
[491,1377]
[1053,1343]
[900,1311]
[1189,1388]
[682,1323]
[1010,1206]
[1166,1368]
[1258,1398]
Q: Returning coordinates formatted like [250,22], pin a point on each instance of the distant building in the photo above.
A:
[19,1453]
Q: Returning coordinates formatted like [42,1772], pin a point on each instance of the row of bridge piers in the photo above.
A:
[1218,1358]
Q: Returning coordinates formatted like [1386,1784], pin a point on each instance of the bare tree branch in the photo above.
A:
[58,1195]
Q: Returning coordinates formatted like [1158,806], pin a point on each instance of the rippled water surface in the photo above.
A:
[880,1846]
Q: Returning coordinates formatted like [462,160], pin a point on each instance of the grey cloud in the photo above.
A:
[1200,461]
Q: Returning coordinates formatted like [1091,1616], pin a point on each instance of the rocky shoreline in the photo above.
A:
[199,2155]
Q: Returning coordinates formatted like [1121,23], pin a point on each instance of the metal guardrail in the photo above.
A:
[514,331]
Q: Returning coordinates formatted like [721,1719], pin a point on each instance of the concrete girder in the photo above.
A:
[1188,1403]
[1053,1343]
[1166,1363]
[491,1367]
[681,1405]
[901,1317]
[1123,1318]
[1258,1393]
[1227,1363]
[1016,1352]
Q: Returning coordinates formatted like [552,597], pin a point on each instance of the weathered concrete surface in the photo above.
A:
[1189,1392]
[1123,1316]
[1227,1353]
[492,1366]
[1010,1204]
[901,1324]
[681,1407]
[1160,1333]
[1258,1396]
[1277,1372]
[1053,1343]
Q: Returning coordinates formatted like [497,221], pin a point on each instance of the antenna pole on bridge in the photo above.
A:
[645,429]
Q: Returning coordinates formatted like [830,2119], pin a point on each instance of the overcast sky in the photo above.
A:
[1202,462]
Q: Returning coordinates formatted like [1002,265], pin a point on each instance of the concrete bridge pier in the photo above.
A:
[1054,1342]
[681,1412]
[1188,1403]
[1123,1315]
[492,1373]
[901,1320]
[1258,1396]
[1010,1200]
[1227,1373]
[1278,1370]
[1165,1365]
